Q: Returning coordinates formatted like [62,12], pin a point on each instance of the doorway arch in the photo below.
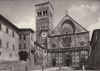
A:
[68,60]
[23,55]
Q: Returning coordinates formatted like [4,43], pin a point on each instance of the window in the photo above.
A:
[42,27]
[0,53]
[7,45]
[7,30]
[53,45]
[45,57]
[10,55]
[20,46]
[45,51]
[13,34]
[13,47]
[45,12]
[0,43]
[0,27]
[66,33]
[24,45]
[39,13]
[24,37]
[20,37]
[50,14]
[31,37]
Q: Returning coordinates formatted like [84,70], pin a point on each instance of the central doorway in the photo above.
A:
[54,62]
[68,60]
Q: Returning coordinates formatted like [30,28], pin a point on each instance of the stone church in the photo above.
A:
[67,44]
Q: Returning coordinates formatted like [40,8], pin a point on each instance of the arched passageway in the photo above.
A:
[23,55]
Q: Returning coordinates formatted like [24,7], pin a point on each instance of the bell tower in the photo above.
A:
[44,20]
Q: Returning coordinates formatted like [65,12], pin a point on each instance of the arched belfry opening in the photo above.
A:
[23,55]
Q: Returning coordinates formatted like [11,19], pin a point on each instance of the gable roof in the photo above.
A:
[77,26]
[8,23]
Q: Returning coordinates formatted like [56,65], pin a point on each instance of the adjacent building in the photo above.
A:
[94,58]
[19,45]
[26,43]
[8,40]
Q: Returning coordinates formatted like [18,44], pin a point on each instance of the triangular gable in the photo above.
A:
[78,27]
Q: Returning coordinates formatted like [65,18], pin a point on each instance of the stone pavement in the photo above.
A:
[58,69]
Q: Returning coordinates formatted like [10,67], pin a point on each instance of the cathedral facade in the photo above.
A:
[67,44]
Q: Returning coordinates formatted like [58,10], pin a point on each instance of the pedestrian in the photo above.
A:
[42,68]
[60,68]
[83,67]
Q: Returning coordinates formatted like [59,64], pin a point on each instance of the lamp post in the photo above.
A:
[83,60]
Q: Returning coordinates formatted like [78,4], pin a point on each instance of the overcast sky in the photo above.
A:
[22,12]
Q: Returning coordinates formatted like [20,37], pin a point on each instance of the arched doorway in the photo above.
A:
[68,60]
[23,55]
[54,62]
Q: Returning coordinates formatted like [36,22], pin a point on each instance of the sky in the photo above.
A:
[22,12]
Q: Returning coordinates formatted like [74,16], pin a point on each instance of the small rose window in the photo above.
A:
[53,45]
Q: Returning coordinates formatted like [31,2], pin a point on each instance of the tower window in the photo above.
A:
[45,12]
[66,33]
[50,14]
[42,27]
[39,13]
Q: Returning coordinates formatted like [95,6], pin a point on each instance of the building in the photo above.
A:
[26,43]
[8,40]
[94,58]
[26,46]
[18,45]
[67,44]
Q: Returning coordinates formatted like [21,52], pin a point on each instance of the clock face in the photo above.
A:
[44,34]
